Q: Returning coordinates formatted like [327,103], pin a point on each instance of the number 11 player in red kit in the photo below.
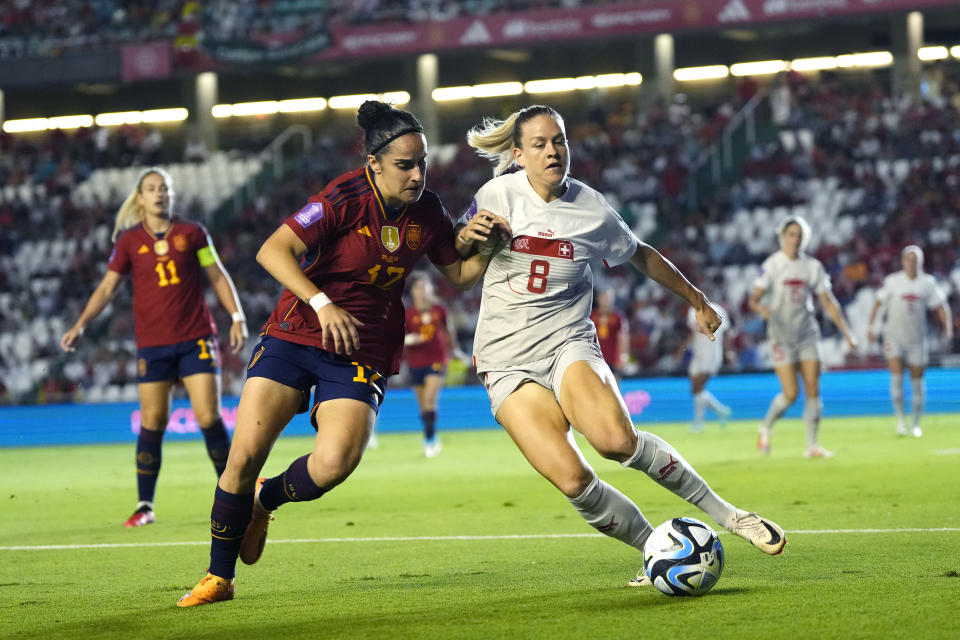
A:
[176,335]
[339,327]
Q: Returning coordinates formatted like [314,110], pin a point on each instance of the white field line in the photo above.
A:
[532,536]
[946,452]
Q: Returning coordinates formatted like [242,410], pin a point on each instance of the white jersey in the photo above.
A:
[906,302]
[538,290]
[706,356]
[789,286]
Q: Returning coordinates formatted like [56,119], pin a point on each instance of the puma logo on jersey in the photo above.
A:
[143,249]
[545,234]
[365,231]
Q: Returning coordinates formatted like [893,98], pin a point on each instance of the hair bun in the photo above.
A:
[370,112]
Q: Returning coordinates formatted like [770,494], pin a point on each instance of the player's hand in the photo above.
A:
[339,329]
[852,342]
[69,339]
[708,319]
[763,311]
[487,228]
[871,336]
[238,336]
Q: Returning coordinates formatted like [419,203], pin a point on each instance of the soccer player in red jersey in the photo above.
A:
[339,326]
[427,347]
[175,332]
[613,333]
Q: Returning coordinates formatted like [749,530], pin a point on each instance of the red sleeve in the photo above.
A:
[314,223]
[443,251]
[119,257]
[201,237]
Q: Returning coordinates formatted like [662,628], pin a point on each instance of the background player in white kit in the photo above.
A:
[906,296]
[536,349]
[706,358]
[782,296]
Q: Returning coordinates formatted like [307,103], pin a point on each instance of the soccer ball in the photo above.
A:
[683,557]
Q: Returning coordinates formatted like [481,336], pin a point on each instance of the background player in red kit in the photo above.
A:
[613,333]
[339,326]
[427,348]
[175,331]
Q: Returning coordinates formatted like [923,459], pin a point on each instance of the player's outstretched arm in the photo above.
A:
[222,285]
[652,264]
[832,307]
[756,306]
[98,301]
[280,256]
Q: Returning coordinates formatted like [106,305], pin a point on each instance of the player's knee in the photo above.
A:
[154,421]
[572,485]
[205,418]
[616,443]
[790,395]
[330,469]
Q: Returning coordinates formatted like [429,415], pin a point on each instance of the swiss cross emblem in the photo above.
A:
[565,250]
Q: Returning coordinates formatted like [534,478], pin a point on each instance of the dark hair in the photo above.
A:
[382,124]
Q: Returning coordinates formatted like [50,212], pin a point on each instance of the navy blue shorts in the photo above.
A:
[302,367]
[177,361]
[419,374]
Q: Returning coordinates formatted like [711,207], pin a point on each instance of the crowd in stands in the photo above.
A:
[30,28]
[871,171]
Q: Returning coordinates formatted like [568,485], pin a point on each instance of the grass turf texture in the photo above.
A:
[825,585]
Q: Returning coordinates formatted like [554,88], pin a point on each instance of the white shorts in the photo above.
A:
[547,372]
[704,362]
[914,354]
[794,352]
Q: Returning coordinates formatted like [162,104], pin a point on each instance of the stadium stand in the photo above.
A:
[865,166]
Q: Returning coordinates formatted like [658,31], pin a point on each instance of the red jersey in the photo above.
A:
[609,326]
[432,327]
[168,304]
[360,255]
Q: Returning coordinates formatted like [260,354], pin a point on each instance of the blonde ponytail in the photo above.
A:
[493,140]
[130,213]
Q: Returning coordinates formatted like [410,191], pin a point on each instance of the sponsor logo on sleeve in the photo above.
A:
[309,214]
[471,211]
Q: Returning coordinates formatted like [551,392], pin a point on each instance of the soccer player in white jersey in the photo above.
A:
[783,296]
[706,358]
[535,348]
[905,297]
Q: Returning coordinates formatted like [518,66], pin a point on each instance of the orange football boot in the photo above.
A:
[209,590]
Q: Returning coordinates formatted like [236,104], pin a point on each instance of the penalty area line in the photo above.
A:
[532,536]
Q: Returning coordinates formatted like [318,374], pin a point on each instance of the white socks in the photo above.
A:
[896,396]
[612,513]
[812,408]
[703,401]
[919,392]
[778,406]
[655,457]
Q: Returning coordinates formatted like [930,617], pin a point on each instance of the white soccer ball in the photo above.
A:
[683,557]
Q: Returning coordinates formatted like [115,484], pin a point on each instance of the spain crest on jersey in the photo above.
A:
[390,237]
[413,236]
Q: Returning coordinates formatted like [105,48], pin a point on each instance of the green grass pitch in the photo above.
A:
[417,548]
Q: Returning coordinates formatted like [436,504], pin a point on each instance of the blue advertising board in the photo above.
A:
[650,400]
